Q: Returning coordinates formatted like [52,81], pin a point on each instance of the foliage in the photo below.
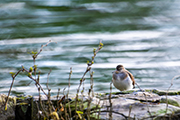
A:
[65,109]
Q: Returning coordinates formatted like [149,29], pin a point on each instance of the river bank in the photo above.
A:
[148,104]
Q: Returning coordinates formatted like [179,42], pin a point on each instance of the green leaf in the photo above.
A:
[35,66]
[101,44]
[30,69]
[34,53]
[94,50]
[5,107]
[12,73]
[79,112]
[29,74]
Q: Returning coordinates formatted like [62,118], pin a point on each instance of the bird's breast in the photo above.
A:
[122,84]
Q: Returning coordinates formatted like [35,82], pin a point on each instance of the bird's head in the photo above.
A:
[119,67]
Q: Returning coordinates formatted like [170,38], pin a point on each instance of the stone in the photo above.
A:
[172,100]
[136,106]
[143,96]
[141,105]
[8,114]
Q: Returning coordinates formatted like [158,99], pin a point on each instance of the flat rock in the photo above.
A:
[173,100]
[143,96]
[140,105]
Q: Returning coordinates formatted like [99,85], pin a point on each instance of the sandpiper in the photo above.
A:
[122,79]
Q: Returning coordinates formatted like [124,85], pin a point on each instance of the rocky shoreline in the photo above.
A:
[133,104]
[150,104]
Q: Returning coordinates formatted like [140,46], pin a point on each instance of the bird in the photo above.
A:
[122,79]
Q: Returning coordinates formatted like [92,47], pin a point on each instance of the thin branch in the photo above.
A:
[95,52]
[91,83]
[90,64]
[87,70]
[49,93]
[146,100]
[69,81]
[58,93]
[41,105]
[116,113]
[139,87]
[110,102]
[69,84]
[48,79]
[13,78]
[35,56]
[175,77]
[130,108]
[60,101]
[83,79]
[89,95]
[38,85]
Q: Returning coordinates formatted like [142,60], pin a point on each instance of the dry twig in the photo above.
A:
[146,100]
[175,77]
[89,64]
[110,102]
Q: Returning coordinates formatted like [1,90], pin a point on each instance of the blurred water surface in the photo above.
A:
[141,35]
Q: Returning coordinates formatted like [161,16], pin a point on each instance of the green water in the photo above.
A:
[142,35]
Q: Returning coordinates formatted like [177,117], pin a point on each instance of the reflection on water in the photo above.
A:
[141,35]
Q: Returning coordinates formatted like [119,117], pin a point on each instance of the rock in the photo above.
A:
[143,96]
[125,108]
[8,114]
[136,106]
[163,92]
[172,100]
[23,108]
[141,105]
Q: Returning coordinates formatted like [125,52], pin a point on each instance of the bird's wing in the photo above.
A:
[131,76]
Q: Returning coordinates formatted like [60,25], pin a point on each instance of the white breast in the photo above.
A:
[122,85]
